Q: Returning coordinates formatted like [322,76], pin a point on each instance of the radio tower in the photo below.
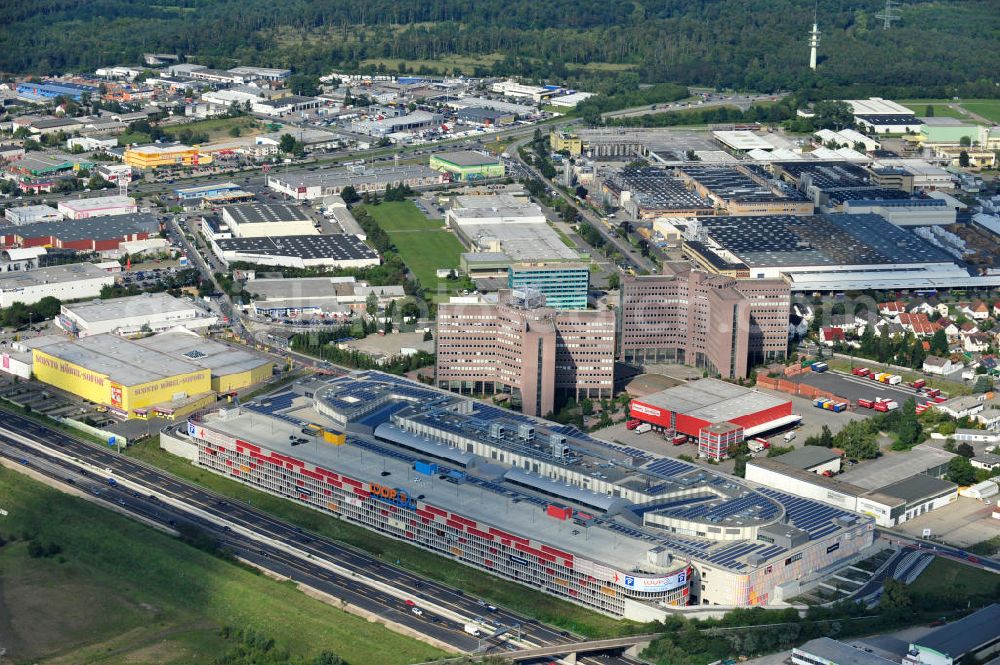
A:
[813,42]
[889,14]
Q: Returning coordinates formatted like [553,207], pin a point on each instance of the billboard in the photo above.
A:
[116,395]
[198,432]
[653,584]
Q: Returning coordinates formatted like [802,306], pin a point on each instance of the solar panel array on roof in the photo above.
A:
[336,247]
[730,183]
[827,175]
[655,188]
[831,239]
[815,518]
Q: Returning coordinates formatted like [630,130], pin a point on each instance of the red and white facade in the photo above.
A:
[381,507]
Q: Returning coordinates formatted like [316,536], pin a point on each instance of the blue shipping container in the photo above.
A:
[426,468]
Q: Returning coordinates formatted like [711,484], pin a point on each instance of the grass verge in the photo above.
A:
[118,591]
[946,577]
[514,596]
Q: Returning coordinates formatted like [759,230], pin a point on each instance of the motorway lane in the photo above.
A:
[263,554]
[347,557]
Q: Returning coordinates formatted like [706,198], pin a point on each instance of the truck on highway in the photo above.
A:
[643,428]
[472,629]
[112,482]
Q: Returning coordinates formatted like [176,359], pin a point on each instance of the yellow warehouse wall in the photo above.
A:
[163,390]
[240,380]
[72,378]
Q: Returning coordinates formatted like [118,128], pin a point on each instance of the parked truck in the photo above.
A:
[861,371]
[758,445]
[679,439]
[643,428]
[633,423]
[918,384]
[866,403]
[819,367]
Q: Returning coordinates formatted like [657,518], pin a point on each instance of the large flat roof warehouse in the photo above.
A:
[820,240]
[394,422]
[339,178]
[713,400]
[744,140]
[262,213]
[520,242]
[467,158]
[69,272]
[96,203]
[134,362]
[890,469]
[877,106]
[656,189]
[91,228]
[128,307]
[121,360]
[221,359]
[831,651]
[333,247]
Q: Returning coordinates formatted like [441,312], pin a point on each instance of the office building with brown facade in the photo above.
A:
[691,317]
[518,346]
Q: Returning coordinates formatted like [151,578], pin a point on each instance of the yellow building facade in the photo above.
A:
[238,380]
[562,141]
[154,156]
[100,389]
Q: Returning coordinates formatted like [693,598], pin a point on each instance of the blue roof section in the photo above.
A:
[817,519]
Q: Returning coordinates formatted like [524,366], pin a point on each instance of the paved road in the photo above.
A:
[309,550]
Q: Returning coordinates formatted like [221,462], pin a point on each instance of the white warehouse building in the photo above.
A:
[73,281]
[98,206]
[268,220]
[148,312]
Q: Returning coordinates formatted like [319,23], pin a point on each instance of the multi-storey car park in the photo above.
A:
[609,527]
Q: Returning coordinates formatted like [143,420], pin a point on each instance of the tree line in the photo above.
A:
[725,43]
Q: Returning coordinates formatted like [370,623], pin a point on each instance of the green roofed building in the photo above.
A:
[468,165]
[952,134]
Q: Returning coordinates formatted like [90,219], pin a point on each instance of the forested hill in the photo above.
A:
[759,44]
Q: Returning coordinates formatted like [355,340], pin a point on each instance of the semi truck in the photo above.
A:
[473,629]
[861,371]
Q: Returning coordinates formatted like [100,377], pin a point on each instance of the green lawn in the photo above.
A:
[514,596]
[947,577]
[122,592]
[422,243]
[217,128]
[988,108]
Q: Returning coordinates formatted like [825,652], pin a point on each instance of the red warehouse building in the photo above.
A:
[95,234]
[697,409]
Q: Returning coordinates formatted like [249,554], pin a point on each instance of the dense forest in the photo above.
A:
[609,46]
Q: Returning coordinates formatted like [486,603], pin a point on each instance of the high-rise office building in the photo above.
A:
[564,285]
[691,317]
[519,346]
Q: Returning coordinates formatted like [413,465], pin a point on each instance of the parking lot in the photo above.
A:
[855,387]
[961,523]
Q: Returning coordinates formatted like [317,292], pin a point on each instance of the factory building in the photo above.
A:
[98,206]
[649,192]
[882,116]
[744,190]
[404,123]
[206,191]
[692,317]
[466,165]
[714,413]
[520,347]
[309,251]
[828,252]
[66,282]
[306,185]
[131,315]
[971,639]
[263,220]
[614,529]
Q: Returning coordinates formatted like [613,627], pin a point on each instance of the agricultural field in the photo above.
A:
[961,109]
[81,584]
[424,244]
[944,577]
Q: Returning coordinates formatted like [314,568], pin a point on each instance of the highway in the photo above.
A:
[742,102]
[332,567]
